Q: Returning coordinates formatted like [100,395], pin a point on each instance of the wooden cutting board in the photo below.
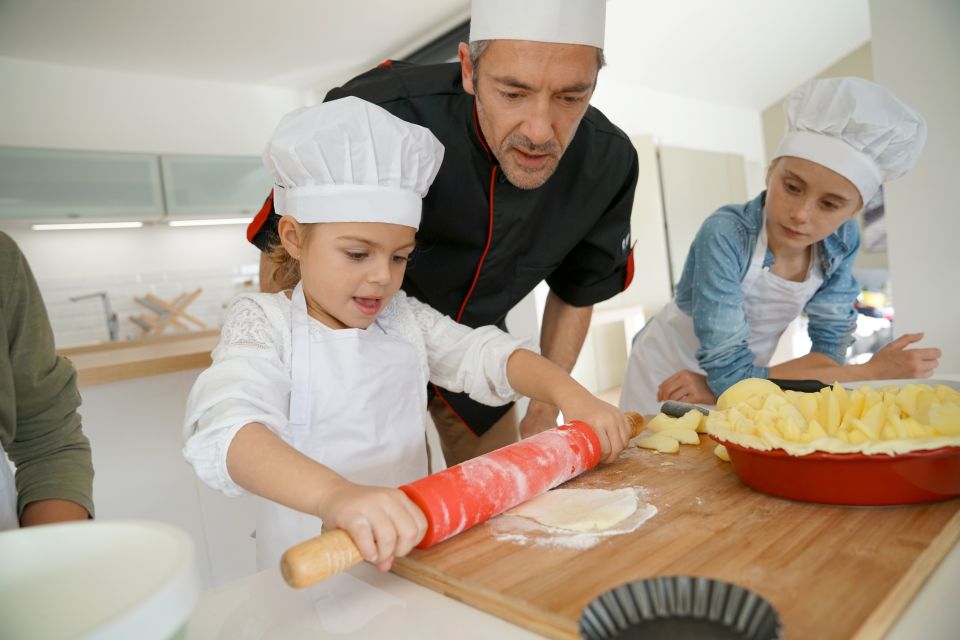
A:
[831,572]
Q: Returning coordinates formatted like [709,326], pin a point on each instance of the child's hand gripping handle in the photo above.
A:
[319,558]
[332,552]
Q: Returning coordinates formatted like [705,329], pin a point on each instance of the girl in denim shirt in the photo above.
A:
[753,268]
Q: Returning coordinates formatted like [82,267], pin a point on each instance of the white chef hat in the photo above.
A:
[854,127]
[348,160]
[559,21]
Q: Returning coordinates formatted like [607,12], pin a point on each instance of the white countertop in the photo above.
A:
[363,603]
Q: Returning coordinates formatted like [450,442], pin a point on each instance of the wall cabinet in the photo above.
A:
[198,185]
[41,185]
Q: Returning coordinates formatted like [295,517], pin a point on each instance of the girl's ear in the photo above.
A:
[291,236]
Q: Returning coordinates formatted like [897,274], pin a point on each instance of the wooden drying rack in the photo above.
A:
[166,314]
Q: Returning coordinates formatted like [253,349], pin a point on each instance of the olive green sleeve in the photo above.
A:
[39,424]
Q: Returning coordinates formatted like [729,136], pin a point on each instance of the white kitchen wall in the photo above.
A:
[916,53]
[678,121]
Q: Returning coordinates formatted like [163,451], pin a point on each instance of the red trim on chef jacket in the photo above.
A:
[483,256]
[436,390]
[476,274]
[254,227]
[493,177]
[385,64]
[629,267]
[476,128]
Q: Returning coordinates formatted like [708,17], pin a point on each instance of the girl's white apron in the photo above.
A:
[358,406]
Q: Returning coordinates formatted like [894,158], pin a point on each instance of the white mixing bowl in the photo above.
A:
[97,579]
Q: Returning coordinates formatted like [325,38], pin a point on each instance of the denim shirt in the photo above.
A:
[709,291]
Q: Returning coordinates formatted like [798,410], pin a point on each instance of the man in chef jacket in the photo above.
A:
[536,185]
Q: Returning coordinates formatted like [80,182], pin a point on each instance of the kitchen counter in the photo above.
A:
[116,361]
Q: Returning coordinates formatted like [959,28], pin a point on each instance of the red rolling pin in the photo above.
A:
[465,495]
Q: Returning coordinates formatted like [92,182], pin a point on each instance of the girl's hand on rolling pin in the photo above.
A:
[383,523]
[896,361]
[686,386]
[611,426]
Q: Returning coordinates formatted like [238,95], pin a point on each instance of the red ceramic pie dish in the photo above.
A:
[850,478]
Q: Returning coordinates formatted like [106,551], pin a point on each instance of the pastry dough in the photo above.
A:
[579,509]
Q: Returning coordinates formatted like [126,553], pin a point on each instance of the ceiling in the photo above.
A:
[745,53]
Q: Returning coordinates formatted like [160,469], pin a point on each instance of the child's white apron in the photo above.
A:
[669,344]
[357,406]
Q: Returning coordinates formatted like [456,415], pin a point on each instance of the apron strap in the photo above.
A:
[300,404]
[756,260]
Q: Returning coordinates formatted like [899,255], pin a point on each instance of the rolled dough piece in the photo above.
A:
[579,509]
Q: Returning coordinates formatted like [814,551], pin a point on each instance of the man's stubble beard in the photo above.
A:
[518,176]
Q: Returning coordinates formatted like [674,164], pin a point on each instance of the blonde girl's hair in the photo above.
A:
[286,272]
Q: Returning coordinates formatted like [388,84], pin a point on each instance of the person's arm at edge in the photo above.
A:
[56,447]
[51,511]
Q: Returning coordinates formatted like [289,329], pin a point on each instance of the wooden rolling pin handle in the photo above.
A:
[319,558]
[636,422]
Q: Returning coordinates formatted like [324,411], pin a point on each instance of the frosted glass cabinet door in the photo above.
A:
[41,184]
[221,185]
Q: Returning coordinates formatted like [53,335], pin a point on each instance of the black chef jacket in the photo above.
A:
[484,244]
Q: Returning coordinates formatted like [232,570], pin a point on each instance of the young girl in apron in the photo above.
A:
[316,399]
[753,268]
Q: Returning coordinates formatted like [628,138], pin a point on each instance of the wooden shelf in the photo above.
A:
[115,361]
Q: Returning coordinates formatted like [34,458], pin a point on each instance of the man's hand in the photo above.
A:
[686,386]
[540,416]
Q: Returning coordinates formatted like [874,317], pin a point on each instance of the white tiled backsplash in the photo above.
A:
[84,322]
